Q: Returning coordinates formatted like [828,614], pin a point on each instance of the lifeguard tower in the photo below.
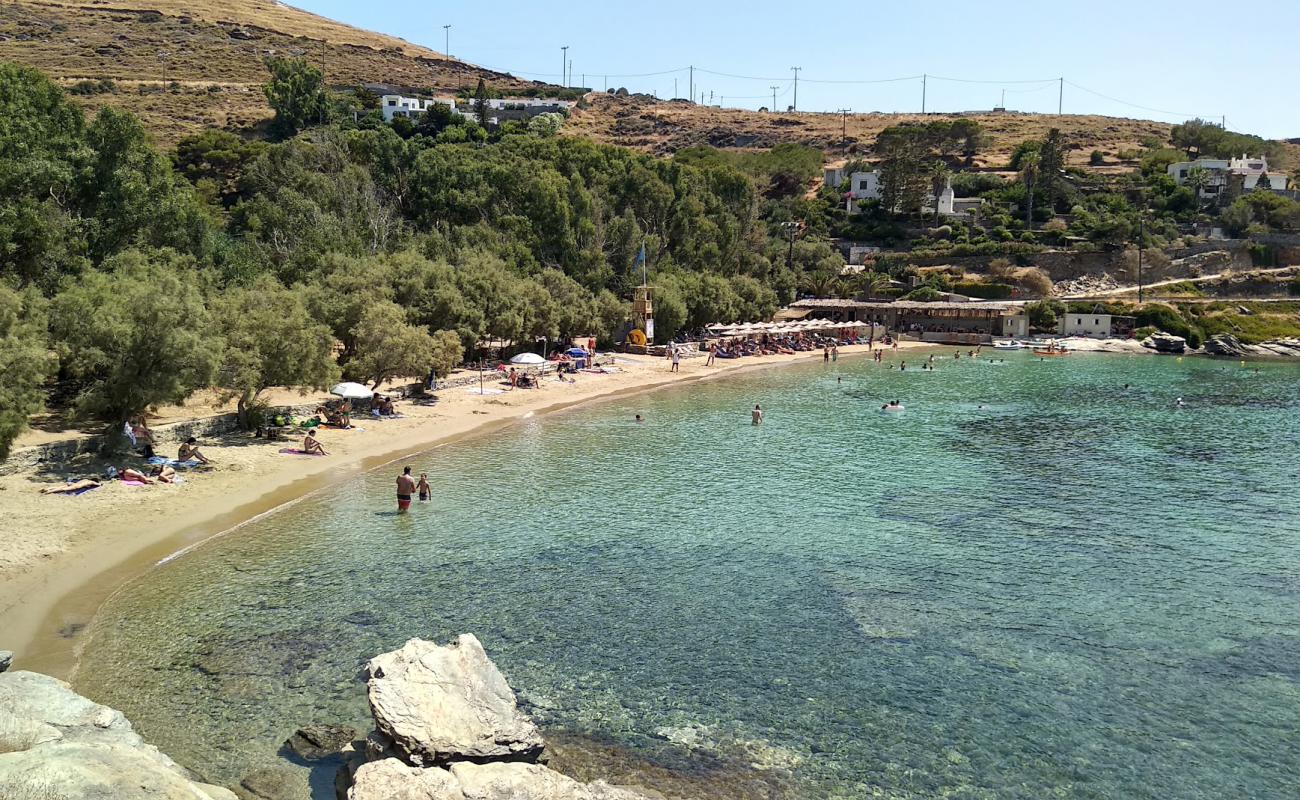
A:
[642,334]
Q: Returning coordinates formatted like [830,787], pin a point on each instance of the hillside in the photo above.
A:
[210,55]
[214,51]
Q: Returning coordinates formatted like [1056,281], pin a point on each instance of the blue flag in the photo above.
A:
[640,261]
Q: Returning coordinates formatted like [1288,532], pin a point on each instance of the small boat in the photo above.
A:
[1008,345]
[890,408]
[1052,349]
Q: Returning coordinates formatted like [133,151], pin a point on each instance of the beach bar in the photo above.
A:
[946,322]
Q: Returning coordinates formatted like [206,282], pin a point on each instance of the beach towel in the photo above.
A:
[294,451]
[173,463]
[134,483]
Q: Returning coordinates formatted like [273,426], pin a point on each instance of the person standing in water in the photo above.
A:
[826,355]
[835,352]
[757,415]
[405,488]
[422,487]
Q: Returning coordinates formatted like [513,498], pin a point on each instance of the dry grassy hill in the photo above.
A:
[213,50]
[211,55]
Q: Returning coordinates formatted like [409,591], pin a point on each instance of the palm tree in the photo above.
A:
[1197,179]
[1029,164]
[939,174]
[872,283]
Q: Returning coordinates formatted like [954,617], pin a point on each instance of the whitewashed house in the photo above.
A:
[395,105]
[1096,326]
[1225,176]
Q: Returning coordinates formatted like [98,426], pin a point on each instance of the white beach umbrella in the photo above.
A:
[528,360]
[351,391]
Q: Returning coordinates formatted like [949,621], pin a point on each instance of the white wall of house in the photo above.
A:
[1015,326]
[1096,326]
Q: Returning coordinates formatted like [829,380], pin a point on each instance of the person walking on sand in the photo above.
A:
[676,359]
[757,414]
[405,488]
[713,355]
[423,488]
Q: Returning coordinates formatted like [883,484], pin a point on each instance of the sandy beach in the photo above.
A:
[65,555]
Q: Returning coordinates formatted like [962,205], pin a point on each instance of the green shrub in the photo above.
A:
[923,294]
[1144,332]
[1293,287]
[1096,159]
[985,291]
[1167,319]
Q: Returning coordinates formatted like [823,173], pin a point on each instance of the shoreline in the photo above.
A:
[47,606]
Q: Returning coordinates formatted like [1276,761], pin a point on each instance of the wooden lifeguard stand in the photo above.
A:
[643,319]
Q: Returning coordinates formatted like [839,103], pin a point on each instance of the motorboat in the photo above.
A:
[1052,349]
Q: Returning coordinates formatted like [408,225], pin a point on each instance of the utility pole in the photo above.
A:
[446,40]
[564,62]
[1003,104]
[795,105]
[924,80]
[774,88]
[1060,98]
[692,84]
[844,122]
[1141,237]
[674,88]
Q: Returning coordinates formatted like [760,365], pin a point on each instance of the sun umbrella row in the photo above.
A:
[800,326]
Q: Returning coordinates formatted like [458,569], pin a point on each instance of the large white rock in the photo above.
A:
[392,779]
[56,743]
[443,704]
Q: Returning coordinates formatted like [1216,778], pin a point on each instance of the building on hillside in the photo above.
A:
[1229,177]
[1097,326]
[970,323]
[396,105]
[866,186]
[499,109]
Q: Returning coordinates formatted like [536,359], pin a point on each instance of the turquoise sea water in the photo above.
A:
[1075,591]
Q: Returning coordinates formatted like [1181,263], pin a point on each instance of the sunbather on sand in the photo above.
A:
[190,452]
[164,473]
[312,447]
[71,488]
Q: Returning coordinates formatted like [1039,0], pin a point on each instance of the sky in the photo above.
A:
[1149,59]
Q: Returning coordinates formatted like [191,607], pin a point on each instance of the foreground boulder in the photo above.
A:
[443,704]
[55,743]
[448,727]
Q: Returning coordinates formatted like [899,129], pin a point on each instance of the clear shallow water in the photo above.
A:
[1076,591]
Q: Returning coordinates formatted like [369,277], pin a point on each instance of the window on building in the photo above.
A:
[392,102]
[1182,173]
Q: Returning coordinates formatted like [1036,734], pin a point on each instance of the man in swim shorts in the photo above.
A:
[405,488]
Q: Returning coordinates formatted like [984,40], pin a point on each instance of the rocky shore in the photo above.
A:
[447,727]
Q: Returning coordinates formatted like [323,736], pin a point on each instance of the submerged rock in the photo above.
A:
[394,780]
[445,704]
[317,742]
[273,783]
[56,743]
[6,659]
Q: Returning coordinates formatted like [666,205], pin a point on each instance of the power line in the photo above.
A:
[1133,105]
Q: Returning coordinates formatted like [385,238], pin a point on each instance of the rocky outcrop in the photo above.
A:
[1163,342]
[6,659]
[448,727]
[56,743]
[444,704]
[1225,344]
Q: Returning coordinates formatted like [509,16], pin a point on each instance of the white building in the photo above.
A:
[1225,175]
[395,105]
[1096,326]
[499,109]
